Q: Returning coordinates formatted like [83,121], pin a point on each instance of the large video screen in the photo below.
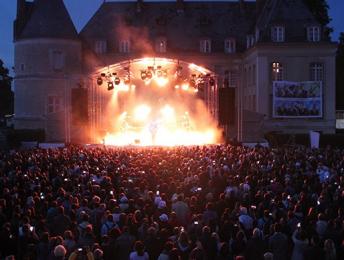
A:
[297,99]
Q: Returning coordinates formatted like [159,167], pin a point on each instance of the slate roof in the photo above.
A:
[213,19]
[49,19]
[292,14]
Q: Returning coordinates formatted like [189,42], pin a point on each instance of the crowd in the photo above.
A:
[207,202]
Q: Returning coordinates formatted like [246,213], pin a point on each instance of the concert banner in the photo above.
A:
[297,99]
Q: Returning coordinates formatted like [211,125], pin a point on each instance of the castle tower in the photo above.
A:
[47,67]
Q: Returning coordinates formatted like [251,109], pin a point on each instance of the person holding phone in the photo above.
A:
[300,243]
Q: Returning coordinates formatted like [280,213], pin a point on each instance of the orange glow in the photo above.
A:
[163,110]
[168,129]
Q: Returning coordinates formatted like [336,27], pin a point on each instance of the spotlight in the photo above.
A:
[117,81]
[126,80]
[110,86]
[185,87]
[149,74]
[143,74]
[99,81]
[212,82]
[159,73]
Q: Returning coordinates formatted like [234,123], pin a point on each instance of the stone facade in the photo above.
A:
[246,39]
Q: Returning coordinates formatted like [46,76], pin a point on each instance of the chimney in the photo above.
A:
[139,5]
[180,6]
[260,5]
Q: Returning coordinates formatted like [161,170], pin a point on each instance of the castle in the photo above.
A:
[251,48]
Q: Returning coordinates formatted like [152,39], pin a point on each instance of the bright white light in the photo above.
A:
[185,87]
[161,81]
[167,111]
[142,112]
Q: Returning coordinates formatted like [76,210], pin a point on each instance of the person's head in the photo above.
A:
[268,256]
[168,246]
[109,218]
[277,227]
[60,210]
[174,254]
[68,235]
[98,254]
[256,233]
[224,250]
[45,237]
[329,245]
[139,248]
[60,251]
[240,235]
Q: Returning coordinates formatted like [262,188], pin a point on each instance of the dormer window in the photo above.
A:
[230,46]
[124,46]
[160,45]
[250,40]
[313,33]
[205,46]
[277,33]
[100,47]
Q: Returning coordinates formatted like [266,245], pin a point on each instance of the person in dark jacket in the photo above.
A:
[255,247]
[278,243]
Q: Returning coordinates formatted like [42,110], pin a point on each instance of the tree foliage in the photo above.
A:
[340,74]
[319,9]
[6,94]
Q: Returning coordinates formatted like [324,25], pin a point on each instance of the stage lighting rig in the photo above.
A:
[212,82]
[143,74]
[149,74]
[110,86]
[99,81]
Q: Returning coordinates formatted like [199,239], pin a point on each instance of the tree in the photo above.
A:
[340,74]
[319,9]
[6,94]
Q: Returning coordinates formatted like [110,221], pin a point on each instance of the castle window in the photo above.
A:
[57,60]
[250,40]
[100,47]
[205,46]
[54,104]
[230,46]
[316,72]
[313,34]
[22,67]
[124,46]
[160,45]
[277,71]
[277,34]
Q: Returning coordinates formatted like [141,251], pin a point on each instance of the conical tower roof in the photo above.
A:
[49,19]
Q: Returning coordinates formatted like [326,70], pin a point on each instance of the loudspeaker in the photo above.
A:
[227,106]
[80,105]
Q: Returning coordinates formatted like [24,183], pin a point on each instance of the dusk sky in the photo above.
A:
[82,10]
